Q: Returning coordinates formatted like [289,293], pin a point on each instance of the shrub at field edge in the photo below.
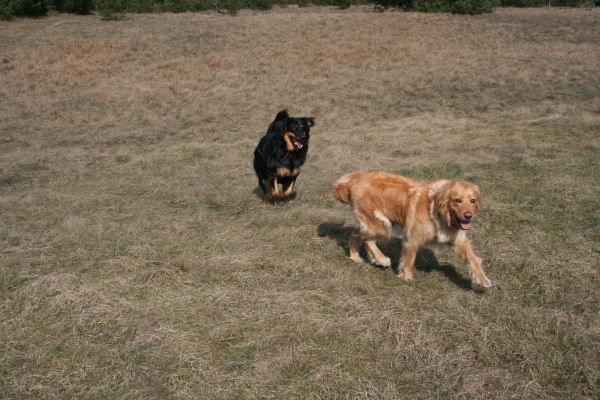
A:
[112,9]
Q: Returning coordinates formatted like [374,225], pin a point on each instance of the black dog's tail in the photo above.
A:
[281,115]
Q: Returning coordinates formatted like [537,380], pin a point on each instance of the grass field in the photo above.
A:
[138,262]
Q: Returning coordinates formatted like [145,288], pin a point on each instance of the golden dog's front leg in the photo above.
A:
[463,247]
[375,255]
[407,263]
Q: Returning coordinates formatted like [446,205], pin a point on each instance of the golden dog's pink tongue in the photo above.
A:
[465,225]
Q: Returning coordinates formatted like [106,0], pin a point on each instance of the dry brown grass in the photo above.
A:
[136,261]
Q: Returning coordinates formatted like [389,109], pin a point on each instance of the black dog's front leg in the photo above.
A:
[288,186]
[271,187]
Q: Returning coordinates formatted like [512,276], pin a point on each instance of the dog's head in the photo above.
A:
[295,131]
[457,203]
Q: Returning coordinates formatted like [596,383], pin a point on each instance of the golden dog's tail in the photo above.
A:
[341,189]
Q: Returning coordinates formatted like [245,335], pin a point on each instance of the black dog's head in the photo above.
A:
[295,131]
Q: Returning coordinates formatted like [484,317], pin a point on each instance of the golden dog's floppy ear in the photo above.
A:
[439,191]
[477,198]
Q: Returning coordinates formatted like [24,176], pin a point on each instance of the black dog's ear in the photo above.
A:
[309,122]
[281,115]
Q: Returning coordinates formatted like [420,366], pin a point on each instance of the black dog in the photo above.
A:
[281,153]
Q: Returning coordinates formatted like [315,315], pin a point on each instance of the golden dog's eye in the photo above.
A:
[472,200]
[458,200]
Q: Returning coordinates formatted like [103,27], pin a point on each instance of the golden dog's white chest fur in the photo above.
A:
[442,233]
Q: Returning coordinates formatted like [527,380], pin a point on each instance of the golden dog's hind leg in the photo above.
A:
[372,228]
[463,248]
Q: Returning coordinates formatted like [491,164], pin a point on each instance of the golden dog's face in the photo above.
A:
[458,203]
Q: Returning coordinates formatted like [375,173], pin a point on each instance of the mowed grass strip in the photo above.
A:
[138,261]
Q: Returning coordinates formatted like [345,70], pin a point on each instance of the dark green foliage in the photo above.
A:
[112,9]
[23,8]
[175,6]
[523,3]
[475,6]
[342,4]
[109,9]
[472,6]
[77,6]
[232,6]
[183,5]
[260,4]
[403,4]
[429,5]
[5,12]
[453,6]
[140,6]
[542,3]
[57,5]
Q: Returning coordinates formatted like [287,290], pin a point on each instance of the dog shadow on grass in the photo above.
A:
[425,261]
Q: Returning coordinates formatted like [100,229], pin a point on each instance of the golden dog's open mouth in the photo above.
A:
[464,224]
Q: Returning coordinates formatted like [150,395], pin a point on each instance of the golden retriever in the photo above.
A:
[420,213]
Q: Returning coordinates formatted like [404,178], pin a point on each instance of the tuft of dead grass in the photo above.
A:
[137,260]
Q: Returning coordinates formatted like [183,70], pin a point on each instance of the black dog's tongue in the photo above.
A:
[298,144]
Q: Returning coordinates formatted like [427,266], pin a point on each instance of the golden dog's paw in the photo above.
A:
[405,277]
[384,262]
[358,259]
[485,282]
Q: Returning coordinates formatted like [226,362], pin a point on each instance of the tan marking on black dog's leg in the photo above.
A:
[283,171]
[287,137]
[269,189]
[276,193]
[295,171]
[290,189]
[354,246]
